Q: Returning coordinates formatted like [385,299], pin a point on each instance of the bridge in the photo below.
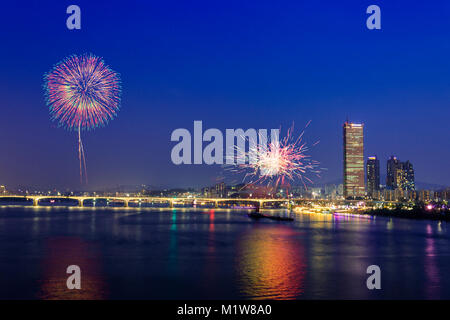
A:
[173,201]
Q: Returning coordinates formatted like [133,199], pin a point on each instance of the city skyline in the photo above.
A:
[363,175]
[227,77]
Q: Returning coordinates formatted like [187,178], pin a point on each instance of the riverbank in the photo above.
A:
[415,213]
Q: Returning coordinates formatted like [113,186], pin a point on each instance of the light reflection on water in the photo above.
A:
[431,270]
[270,263]
[61,252]
[182,253]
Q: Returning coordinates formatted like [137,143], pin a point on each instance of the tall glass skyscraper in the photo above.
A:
[400,175]
[409,173]
[391,173]
[373,176]
[353,160]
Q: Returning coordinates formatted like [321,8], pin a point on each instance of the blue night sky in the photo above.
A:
[231,64]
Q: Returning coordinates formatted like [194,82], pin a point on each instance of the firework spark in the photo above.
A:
[82,93]
[278,162]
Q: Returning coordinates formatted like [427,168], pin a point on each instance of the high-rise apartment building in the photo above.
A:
[391,179]
[373,176]
[409,176]
[221,190]
[399,175]
[353,160]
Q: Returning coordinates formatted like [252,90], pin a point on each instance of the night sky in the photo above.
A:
[231,64]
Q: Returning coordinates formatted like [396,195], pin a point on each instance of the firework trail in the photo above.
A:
[82,93]
[276,163]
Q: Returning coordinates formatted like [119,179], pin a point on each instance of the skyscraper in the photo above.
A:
[409,183]
[400,175]
[373,176]
[353,160]
[220,190]
[391,173]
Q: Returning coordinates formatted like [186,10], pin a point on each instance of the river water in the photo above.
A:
[131,253]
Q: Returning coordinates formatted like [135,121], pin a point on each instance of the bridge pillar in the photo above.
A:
[80,202]
[261,204]
[125,203]
[170,204]
[35,202]
[216,204]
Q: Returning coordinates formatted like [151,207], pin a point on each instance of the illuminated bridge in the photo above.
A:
[172,202]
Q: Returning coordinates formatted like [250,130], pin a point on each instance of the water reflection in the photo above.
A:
[217,254]
[173,243]
[270,263]
[431,270]
[210,265]
[59,254]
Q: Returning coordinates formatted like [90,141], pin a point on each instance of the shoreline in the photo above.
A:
[414,214]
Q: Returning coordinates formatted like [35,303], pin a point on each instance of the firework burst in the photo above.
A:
[82,93]
[277,163]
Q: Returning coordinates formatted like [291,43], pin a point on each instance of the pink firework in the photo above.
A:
[82,93]
[278,162]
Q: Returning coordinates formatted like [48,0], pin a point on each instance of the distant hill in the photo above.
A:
[429,186]
[419,184]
